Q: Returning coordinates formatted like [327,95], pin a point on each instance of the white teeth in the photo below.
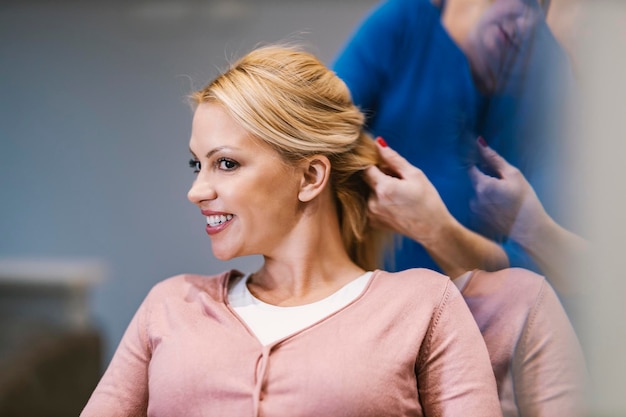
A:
[215,219]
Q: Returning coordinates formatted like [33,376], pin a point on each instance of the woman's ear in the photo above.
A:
[315,176]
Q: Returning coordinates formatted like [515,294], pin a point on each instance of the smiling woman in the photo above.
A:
[287,119]
[279,149]
[237,174]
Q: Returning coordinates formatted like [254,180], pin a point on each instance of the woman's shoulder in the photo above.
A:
[511,285]
[416,283]
[417,276]
[186,284]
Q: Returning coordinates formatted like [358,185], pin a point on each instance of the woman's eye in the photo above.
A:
[227,164]
[195,165]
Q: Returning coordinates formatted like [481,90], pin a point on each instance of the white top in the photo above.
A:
[271,323]
[461,281]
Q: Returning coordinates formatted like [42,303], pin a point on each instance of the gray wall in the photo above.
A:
[94,129]
[601,156]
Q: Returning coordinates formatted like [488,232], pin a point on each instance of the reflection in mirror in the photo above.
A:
[535,354]
[478,95]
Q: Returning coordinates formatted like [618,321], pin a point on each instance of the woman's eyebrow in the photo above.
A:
[213,151]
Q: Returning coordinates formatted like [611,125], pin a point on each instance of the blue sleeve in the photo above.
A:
[518,257]
[365,61]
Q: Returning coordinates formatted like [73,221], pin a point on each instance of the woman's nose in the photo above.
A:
[201,190]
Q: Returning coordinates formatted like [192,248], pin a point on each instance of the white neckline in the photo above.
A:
[270,323]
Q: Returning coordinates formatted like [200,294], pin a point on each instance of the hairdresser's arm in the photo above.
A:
[557,251]
[404,200]
[510,205]
[365,61]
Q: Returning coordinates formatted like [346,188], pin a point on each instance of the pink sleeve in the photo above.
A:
[548,366]
[123,389]
[454,372]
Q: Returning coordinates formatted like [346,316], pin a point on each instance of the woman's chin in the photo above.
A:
[223,254]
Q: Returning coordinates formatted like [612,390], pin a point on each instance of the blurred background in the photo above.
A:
[94,129]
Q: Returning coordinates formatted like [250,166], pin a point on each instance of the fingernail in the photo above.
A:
[482,142]
[381,142]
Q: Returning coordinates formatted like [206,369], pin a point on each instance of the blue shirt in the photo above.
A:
[416,88]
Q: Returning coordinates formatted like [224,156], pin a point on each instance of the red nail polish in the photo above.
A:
[482,142]
[381,142]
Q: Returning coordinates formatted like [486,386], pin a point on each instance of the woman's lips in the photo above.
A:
[217,221]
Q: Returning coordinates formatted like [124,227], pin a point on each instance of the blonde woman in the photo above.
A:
[279,151]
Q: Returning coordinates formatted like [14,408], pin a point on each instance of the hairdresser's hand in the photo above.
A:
[507,203]
[404,200]
[511,206]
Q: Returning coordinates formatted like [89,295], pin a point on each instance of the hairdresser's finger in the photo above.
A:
[373,176]
[491,158]
[476,176]
[392,160]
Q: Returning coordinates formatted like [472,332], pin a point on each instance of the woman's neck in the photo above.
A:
[311,264]
[284,286]
[459,17]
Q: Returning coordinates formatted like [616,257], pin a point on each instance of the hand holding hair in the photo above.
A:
[403,198]
[405,201]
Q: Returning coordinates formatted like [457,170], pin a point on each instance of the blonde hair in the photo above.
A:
[289,99]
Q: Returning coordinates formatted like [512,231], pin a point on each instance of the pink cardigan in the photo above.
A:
[536,357]
[407,346]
